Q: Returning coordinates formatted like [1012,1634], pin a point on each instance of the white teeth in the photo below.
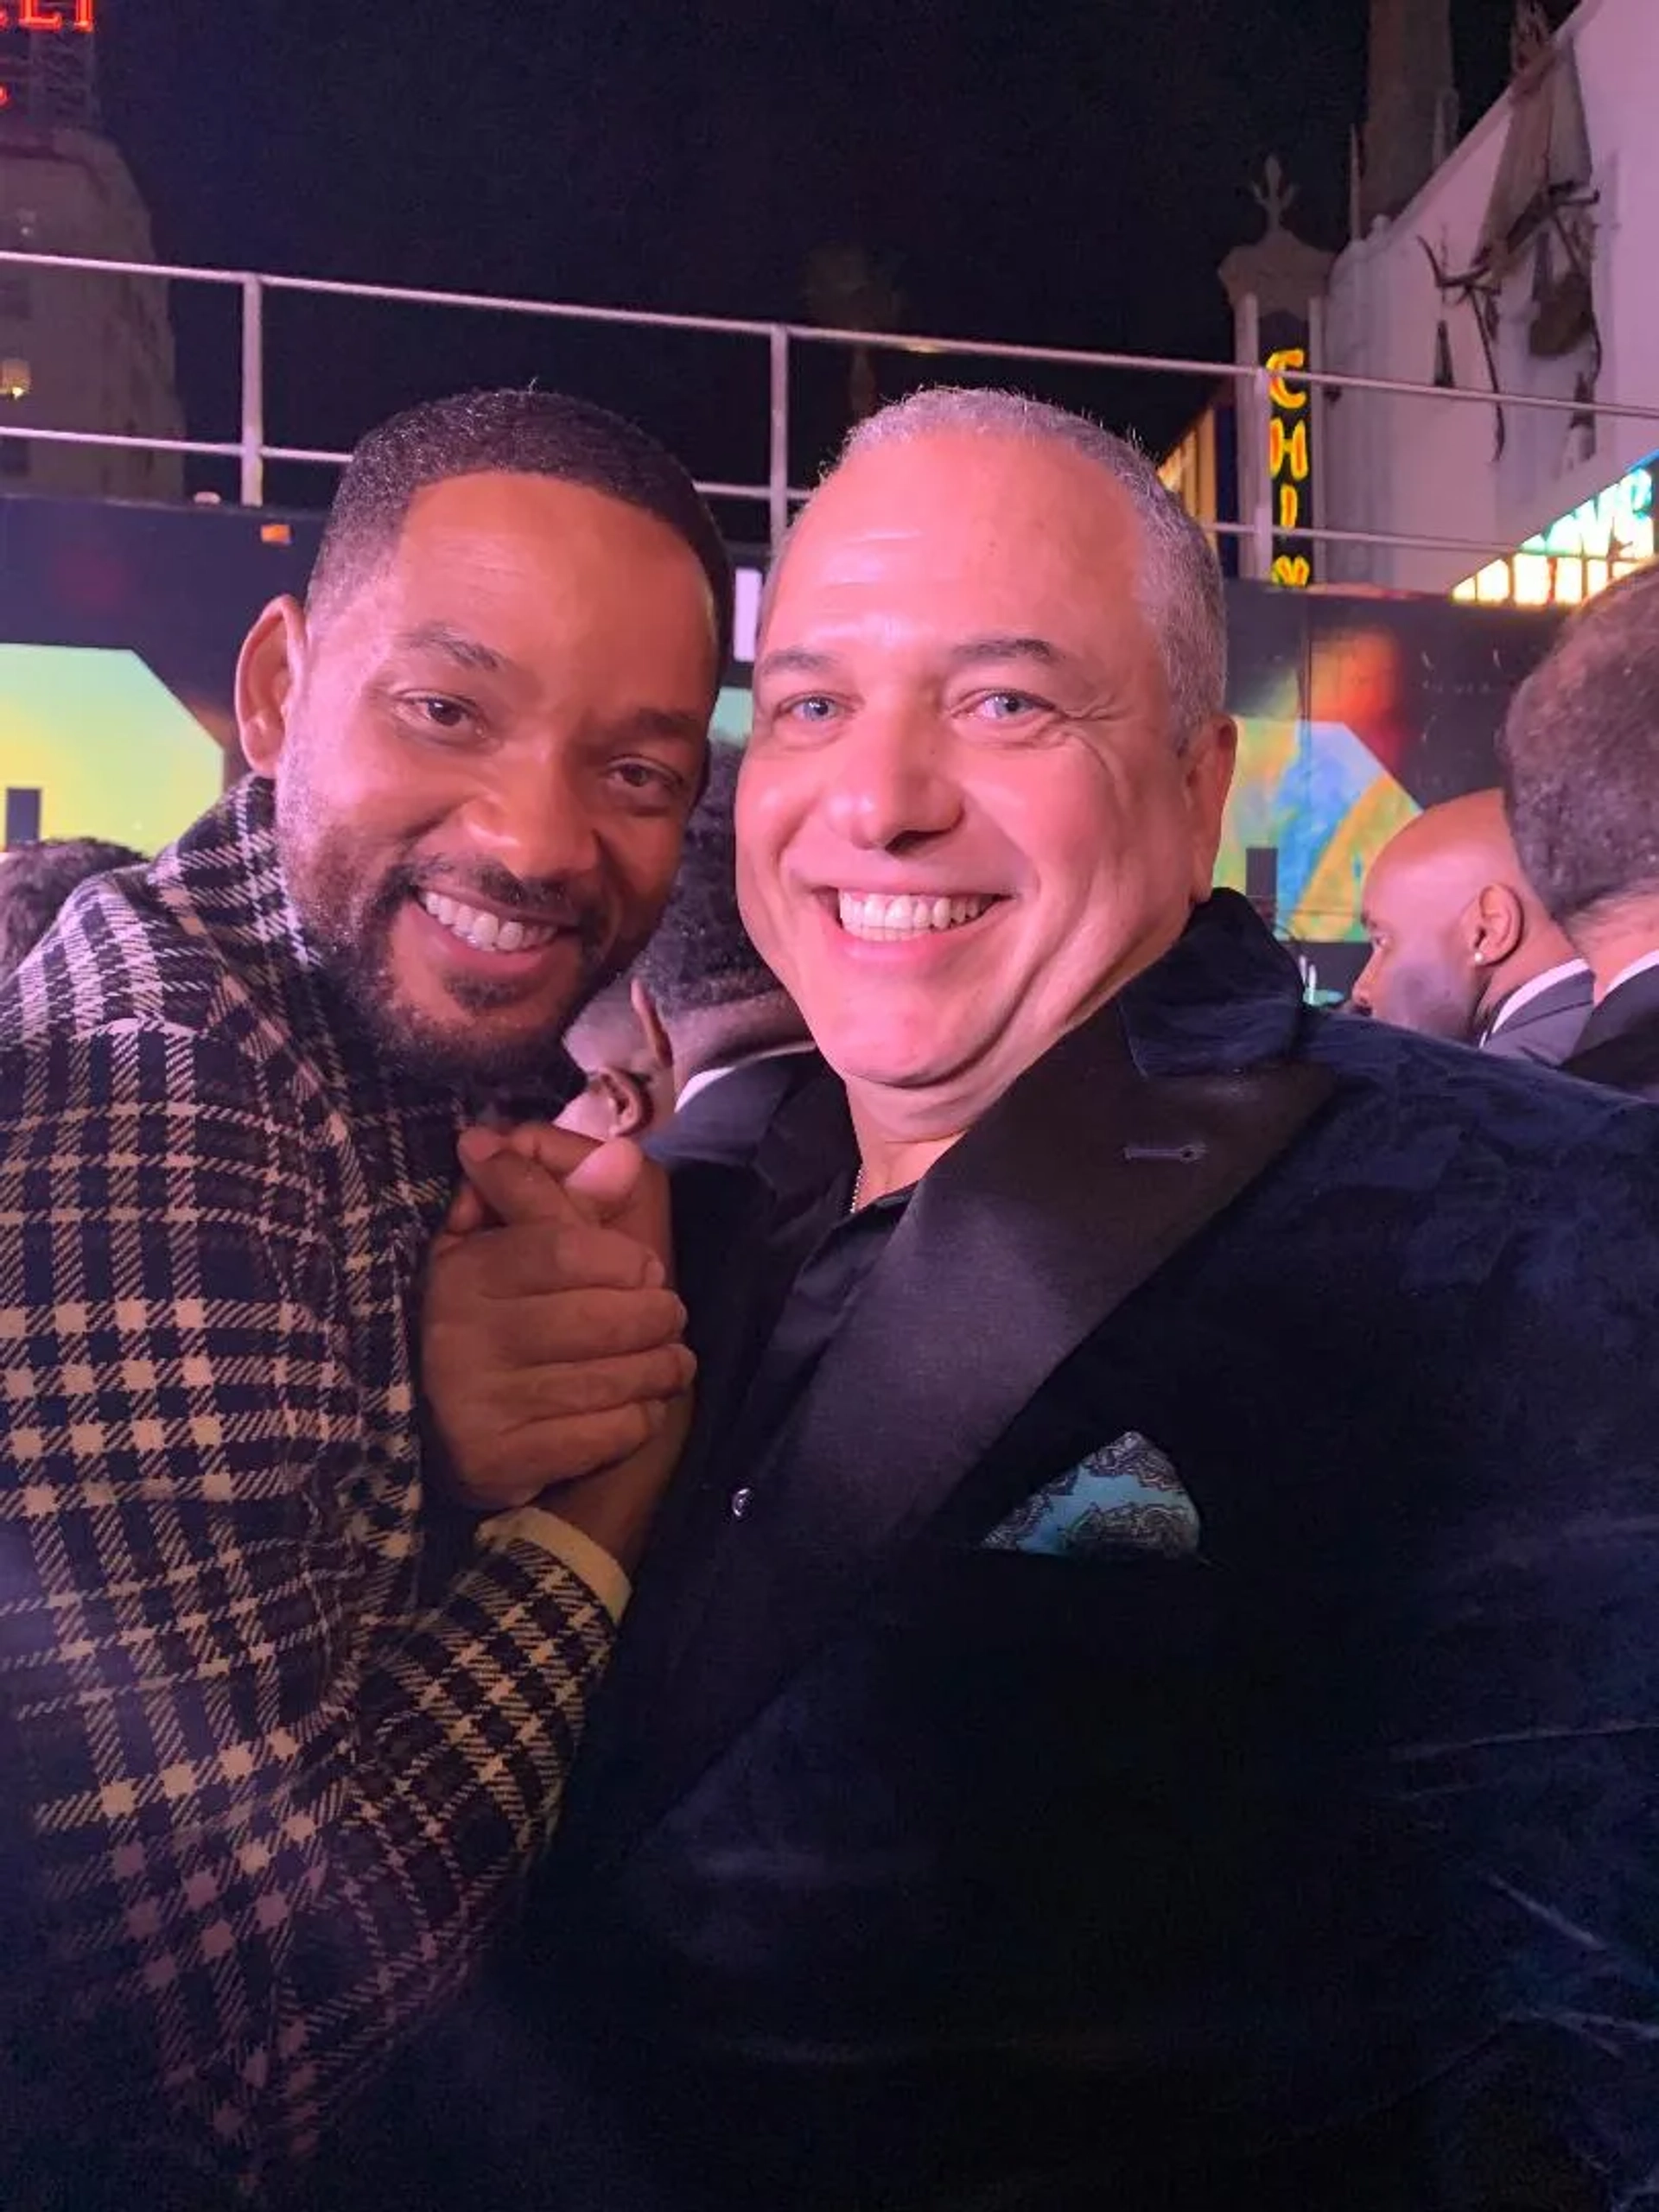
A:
[486,932]
[874,914]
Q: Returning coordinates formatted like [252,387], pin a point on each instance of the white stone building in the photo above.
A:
[78,350]
[1525,261]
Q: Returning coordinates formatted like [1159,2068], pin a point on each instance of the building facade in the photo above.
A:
[78,350]
[1523,264]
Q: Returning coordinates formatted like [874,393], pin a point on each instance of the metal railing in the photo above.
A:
[252,451]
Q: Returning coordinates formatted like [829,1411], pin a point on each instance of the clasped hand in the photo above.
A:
[552,1337]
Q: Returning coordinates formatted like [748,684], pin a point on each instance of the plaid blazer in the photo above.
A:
[270,1805]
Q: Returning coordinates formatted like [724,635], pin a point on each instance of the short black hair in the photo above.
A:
[517,433]
[701,956]
[36,880]
[1579,756]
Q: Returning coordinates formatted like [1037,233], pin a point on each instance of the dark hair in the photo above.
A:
[701,956]
[519,434]
[1580,755]
[36,880]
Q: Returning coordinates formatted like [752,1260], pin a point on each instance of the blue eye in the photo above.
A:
[1006,705]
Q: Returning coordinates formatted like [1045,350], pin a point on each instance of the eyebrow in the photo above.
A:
[440,637]
[675,725]
[971,653]
[998,645]
[794,660]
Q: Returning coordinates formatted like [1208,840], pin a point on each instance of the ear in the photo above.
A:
[627,1102]
[1493,923]
[1207,766]
[645,1014]
[268,670]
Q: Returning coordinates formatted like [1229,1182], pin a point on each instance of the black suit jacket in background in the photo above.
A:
[726,1119]
[1548,1027]
[1620,1043]
[1315,1872]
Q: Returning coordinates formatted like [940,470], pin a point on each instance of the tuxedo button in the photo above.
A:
[740,1499]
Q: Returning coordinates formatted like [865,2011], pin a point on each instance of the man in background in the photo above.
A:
[1580,753]
[703,1045]
[36,881]
[1461,945]
[627,1065]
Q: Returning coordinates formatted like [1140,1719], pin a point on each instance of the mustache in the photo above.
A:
[549,898]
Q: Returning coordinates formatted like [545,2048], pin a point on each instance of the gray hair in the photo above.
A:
[1182,591]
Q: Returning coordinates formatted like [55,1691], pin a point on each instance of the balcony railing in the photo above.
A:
[772,494]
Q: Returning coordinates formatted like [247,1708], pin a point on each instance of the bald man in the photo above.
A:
[1461,946]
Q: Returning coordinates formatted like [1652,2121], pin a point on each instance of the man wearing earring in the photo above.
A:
[1461,945]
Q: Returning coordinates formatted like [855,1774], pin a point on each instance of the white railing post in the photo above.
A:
[1255,409]
[253,392]
[778,452]
[1261,392]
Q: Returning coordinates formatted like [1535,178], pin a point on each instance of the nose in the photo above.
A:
[893,782]
[1359,999]
[533,816]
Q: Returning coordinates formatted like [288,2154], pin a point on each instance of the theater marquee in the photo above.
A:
[1580,553]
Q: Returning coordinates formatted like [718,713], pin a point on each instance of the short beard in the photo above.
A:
[352,938]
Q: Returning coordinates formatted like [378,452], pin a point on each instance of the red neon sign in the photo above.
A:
[50,16]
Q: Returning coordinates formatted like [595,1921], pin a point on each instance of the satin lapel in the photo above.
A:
[1084,1179]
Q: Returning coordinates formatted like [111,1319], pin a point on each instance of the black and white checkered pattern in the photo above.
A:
[272,1809]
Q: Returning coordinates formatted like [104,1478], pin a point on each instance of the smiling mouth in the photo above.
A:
[486,931]
[877,915]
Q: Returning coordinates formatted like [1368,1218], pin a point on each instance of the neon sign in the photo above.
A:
[49,16]
[1288,466]
[1580,553]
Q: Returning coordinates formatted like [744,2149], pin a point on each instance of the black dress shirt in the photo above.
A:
[808,1256]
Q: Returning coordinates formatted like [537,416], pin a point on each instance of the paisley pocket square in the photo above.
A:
[1125,1498]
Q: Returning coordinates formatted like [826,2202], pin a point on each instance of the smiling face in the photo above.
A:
[484,759]
[963,822]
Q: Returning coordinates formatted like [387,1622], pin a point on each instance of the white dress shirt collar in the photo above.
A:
[702,1080]
[1535,989]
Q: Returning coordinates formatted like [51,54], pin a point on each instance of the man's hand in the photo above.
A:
[613,1184]
[550,1340]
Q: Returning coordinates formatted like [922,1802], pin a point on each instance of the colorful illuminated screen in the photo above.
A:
[1580,553]
[119,626]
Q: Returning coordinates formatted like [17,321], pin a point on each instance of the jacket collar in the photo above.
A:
[222,887]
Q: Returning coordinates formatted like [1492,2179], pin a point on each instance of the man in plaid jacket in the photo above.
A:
[266,1785]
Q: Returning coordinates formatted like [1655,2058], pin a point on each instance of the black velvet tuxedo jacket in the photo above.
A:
[1620,1042]
[1313,1871]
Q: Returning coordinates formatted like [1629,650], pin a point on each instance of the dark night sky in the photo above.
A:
[1065,172]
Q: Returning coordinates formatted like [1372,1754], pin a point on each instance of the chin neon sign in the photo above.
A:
[1288,465]
[49,16]
[1580,553]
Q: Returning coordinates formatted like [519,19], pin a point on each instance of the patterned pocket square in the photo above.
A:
[1125,1498]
